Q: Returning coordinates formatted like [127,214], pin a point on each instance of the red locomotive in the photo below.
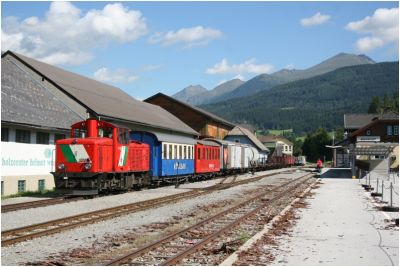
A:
[99,156]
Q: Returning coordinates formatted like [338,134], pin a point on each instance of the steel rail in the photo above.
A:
[199,245]
[21,234]
[150,247]
[37,203]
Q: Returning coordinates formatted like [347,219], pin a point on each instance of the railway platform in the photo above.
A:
[340,225]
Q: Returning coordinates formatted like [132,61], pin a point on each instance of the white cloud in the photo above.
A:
[248,66]
[116,76]
[65,35]
[317,19]
[152,67]
[188,36]
[381,28]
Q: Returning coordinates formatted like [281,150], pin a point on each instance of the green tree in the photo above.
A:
[375,106]
[339,134]
[314,145]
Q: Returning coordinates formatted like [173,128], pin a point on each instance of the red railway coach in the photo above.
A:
[99,155]
[207,157]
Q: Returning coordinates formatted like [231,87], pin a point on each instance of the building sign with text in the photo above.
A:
[26,159]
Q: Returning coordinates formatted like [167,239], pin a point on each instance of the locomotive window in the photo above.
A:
[79,133]
[165,151]
[175,152]
[170,152]
[107,132]
[123,137]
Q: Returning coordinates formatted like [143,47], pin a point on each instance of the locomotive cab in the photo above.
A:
[97,157]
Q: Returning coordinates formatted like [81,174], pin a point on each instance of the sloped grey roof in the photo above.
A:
[273,138]
[356,121]
[243,131]
[197,109]
[25,101]
[105,100]
[389,115]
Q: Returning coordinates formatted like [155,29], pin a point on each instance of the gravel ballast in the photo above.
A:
[41,248]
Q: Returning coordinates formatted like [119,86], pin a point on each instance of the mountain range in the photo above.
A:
[319,101]
[198,95]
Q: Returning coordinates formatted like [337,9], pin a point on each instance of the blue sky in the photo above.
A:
[150,47]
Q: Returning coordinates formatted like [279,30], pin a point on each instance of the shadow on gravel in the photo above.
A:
[337,173]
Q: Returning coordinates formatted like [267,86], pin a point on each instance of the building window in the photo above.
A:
[21,186]
[396,130]
[41,185]
[389,130]
[58,137]
[22,136]
[42,138]
[4,134]
[368,132]
[2,188]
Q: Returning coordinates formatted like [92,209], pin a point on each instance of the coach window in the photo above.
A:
[22,136]
[164,151]
[175,152]
[198,153]
[184,152]
[180,152]
[170,152]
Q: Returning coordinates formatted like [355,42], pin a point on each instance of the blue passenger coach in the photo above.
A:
[170,155]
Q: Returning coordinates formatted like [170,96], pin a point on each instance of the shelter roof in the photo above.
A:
[105,100]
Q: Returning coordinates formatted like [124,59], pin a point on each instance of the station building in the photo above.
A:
[39,104]
[371,143]
[278,144]
[207,124]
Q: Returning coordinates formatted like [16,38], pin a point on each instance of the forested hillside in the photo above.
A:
[319,101]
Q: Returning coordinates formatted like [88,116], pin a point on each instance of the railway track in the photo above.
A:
[174,248]
[37,203]
[60,200]
[21,234]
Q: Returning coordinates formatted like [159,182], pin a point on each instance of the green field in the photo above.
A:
[280,132]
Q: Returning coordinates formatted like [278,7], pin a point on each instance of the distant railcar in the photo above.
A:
[207,157]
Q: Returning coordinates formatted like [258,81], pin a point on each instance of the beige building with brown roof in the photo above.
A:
[278,143]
